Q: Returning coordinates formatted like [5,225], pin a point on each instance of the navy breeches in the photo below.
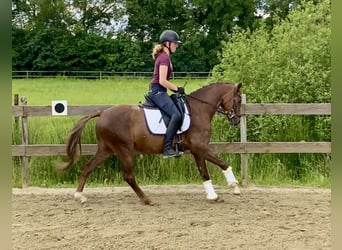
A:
[165,103]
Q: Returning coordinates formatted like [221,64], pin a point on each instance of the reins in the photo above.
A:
[219,109]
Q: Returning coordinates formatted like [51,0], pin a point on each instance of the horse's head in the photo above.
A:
[231,103]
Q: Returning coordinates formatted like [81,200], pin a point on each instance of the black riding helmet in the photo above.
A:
[169,35]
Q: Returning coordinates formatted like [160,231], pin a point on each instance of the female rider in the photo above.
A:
[169,41]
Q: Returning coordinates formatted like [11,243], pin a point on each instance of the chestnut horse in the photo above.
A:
[121,131]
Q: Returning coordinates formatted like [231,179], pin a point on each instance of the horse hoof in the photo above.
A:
[148,202]
[236,190]
[216,200]
[79,196]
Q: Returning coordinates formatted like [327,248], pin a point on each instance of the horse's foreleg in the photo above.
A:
[91,165]
[227,171]
[208,187]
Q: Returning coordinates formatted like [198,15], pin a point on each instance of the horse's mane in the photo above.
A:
[209,86]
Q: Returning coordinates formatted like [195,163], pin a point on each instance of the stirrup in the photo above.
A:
[172,153]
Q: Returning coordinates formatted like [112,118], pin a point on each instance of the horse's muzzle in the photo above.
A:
[234,119]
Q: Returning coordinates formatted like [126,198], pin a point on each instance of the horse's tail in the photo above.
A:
[73,152]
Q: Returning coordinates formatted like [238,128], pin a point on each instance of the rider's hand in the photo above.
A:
[180,90]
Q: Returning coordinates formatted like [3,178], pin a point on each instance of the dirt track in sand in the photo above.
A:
[113,218]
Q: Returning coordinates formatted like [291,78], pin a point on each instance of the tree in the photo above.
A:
[20,38]
[200,24]
[217,19]
[147,19]
[41,14]
[46,50]
[290,63]
[97,16]
[124,55]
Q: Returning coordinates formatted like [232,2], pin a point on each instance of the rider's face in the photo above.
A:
[173,46]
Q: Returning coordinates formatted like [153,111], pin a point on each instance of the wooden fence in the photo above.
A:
[243,147]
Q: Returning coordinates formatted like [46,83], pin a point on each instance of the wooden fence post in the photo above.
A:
[24,139]
[16,103]
[243,139]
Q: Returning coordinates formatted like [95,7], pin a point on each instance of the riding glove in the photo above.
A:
[180,90]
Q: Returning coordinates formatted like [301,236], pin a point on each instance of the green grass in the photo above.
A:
[84,92]
[265,169]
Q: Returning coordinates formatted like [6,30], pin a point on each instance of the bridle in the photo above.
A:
[220,110]
[232,112]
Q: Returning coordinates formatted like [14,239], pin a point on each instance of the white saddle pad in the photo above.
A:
[156,124]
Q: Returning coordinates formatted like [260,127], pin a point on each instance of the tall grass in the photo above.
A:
[301,169]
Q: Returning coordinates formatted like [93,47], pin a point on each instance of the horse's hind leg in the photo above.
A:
[128,171]
[97,159]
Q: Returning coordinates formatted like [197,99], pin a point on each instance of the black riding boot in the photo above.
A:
[170,133]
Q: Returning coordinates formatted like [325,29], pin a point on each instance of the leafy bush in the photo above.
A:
[289,64]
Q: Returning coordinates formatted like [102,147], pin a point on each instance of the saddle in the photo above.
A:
[157,120]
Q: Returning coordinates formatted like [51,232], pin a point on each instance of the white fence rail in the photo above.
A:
[104,74]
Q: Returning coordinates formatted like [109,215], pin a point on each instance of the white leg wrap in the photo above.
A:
[230,176]
[80,196]
[232,182]
[209,189]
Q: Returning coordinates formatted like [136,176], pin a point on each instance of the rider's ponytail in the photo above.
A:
[158,48]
